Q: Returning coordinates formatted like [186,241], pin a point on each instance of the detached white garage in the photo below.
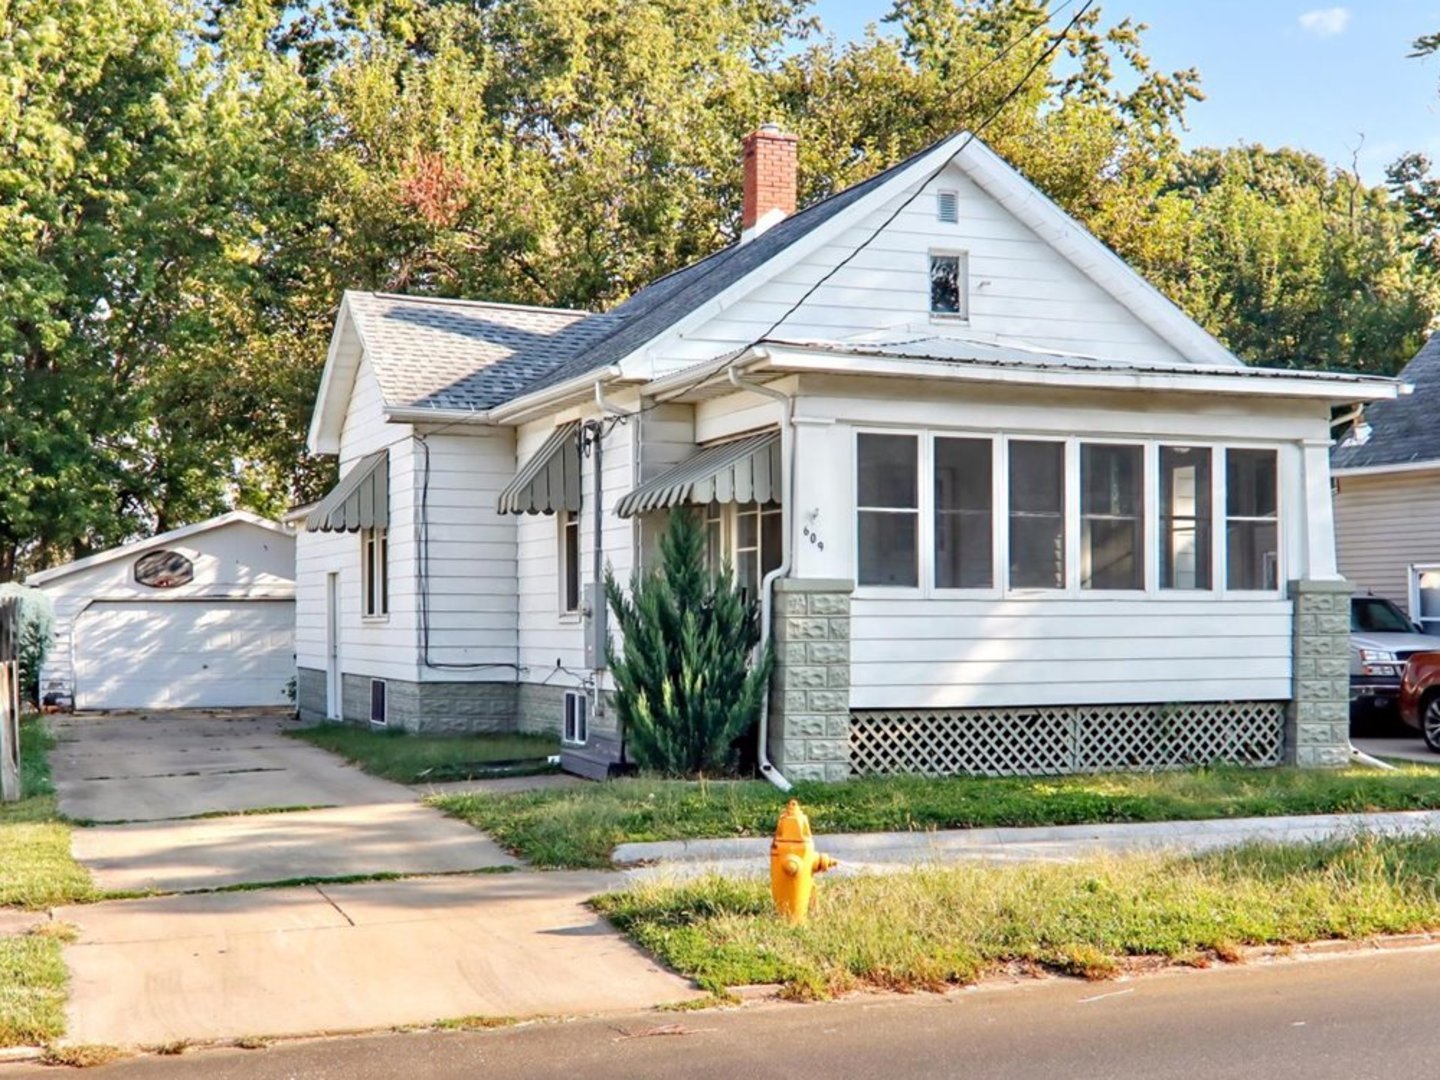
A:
[200,617]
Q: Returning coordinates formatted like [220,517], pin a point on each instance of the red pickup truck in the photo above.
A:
[1420,696]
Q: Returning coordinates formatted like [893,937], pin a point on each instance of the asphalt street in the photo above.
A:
[1347,1017]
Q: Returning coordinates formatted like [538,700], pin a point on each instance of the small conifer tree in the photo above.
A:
[685,687]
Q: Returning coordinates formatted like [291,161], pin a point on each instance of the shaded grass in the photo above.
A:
[931,929]
[413,759]
[33,985]
[580,826]
[36,870]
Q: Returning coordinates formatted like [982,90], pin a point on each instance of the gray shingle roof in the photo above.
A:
[463,354]
[1405,429]
[470,355]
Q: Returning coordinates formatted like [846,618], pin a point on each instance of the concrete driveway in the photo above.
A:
[489,937]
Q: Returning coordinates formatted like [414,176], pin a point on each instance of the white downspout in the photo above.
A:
[767,600]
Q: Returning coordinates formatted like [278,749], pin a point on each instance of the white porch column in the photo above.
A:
[1319,514]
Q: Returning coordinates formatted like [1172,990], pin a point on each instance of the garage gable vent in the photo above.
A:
[377,702]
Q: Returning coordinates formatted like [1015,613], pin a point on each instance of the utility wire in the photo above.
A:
[990,118]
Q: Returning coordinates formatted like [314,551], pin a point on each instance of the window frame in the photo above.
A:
[565,523]
[375,570]
[923,477]
[724,520]
[962,284]
[1001,589]
[1222,522]
[575,704]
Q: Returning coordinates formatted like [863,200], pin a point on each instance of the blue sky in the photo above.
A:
[1312,74]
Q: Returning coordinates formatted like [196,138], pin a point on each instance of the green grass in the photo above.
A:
[414,759]
[580,826]
[36,870]
[936,928]
[33,983]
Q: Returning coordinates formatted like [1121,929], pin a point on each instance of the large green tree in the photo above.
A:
[186,186]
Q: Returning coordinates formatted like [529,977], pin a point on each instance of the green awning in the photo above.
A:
[360,501]
[742,471]
[550,480]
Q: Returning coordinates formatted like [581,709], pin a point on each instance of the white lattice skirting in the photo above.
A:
[1067,739]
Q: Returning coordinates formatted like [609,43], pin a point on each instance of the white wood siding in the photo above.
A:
[1384,524]
[935,653]
[383,648]
[470,556]
[238,560]
[546,634]
[1020,288]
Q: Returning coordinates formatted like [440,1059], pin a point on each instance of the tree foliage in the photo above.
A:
[186,187]
[685,689]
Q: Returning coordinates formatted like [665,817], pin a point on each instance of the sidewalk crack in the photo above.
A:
[336,906]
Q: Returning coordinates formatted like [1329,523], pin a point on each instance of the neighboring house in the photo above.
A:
[1008,509]
[199,617]
[1387,494]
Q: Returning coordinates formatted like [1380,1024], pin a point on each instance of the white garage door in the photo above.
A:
[175,654]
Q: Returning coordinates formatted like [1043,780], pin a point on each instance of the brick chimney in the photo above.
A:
[769,179]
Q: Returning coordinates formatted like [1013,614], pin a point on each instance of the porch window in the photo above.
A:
[888,505]
[747,537]
[1037,515]
[964,517]
[1251,520]
[569,561]
[374,574]
[757,544]
[1112,517]
[1185,520]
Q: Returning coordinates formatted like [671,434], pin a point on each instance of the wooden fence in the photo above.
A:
[9,699]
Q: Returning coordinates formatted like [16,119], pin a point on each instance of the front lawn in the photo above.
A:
[416,759]
[36,870]
[935,928]
[580,826]
[33,984]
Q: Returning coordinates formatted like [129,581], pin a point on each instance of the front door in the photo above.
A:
[332,646]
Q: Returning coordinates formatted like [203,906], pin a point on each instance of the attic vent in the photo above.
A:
[947,207]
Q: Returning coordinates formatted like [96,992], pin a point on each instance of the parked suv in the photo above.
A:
[1420,697]
[1382,639]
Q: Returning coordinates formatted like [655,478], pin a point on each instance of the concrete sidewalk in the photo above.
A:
[352,957]
[888,852]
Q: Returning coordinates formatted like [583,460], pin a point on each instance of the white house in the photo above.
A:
[199,617]
[1387,494]
[1004,506]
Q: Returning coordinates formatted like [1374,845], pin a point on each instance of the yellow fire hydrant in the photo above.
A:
[794,862]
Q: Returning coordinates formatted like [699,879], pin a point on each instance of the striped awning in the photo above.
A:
[746,470]
[360,501]
[550,480]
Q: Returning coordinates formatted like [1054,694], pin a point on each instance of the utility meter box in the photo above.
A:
[596,626]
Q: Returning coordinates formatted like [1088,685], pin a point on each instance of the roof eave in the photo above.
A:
[422,414]
[1243,381]
[539,402]
[1428,465]
[328,416]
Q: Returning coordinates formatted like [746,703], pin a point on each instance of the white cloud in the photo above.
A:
[1325,22]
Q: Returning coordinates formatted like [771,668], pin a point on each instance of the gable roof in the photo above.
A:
[470,356]
[1403,431]
[161,540]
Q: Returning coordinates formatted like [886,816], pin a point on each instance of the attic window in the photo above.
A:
[947,207]
[948,285]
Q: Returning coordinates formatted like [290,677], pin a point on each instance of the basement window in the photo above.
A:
[948,274]
[377,703]
[577,718]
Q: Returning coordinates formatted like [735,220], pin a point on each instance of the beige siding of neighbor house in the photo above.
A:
[1384,524]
